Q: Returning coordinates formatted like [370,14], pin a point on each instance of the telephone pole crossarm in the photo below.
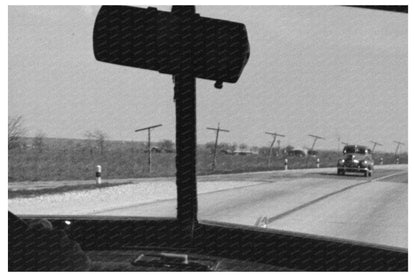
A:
[216,129]
[274,134]
[315,139]
[150,127]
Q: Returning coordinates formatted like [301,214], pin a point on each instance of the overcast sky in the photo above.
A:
[330,71]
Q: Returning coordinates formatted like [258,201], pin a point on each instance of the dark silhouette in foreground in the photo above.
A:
[36,246]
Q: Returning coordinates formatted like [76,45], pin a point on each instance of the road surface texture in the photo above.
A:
[315,201]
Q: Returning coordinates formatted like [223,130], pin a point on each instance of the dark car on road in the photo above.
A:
[356,158]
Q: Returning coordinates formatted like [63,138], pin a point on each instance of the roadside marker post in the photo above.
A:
[317,163]
[98,175]
[381,161]
[285,164]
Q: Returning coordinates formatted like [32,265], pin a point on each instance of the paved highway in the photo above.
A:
[353,207]
[314,201]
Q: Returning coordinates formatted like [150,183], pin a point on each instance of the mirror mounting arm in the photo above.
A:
[185,102]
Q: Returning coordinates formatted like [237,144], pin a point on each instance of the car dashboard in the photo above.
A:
[126,260]
[150,244]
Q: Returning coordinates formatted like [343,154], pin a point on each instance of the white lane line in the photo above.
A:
[233,188]
[309,203]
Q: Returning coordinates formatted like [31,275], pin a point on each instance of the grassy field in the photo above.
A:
[78,162]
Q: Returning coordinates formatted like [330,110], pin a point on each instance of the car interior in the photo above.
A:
[186,243]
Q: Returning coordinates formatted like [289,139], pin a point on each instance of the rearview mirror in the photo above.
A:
[156,40]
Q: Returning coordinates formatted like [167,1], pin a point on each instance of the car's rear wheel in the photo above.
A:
[341,172]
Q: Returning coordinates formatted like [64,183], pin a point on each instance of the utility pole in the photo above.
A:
[278,146]
[314,141]
[339,141]
[397,148]
[274,135]
[315,138]
[344,143]
[374,145]
[149,147]
[217,130]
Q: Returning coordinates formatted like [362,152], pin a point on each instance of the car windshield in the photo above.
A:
[354,156]
[355,149]
[98,139]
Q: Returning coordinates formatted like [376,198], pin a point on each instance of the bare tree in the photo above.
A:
[243,146]
[167,146]
[223,146]
[210,146]
[16,131]
[99,137]
[289,148]
[39,141]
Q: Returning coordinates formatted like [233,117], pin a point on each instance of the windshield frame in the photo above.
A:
[186,192]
